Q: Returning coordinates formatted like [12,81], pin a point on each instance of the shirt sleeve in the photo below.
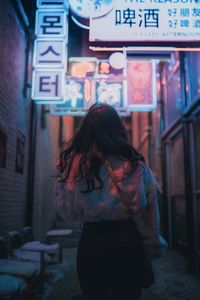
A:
[68,194]
[145,213]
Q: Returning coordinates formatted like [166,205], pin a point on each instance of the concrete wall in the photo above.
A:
[47,153]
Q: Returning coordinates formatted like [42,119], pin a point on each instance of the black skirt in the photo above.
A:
[111,261]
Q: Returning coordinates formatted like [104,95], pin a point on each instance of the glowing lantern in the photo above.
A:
[117,60]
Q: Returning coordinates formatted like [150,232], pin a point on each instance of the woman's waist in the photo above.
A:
[109,224]
[105,217]
[114,232]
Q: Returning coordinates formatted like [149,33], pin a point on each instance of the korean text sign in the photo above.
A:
[50,51]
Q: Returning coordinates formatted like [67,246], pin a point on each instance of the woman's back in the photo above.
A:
[110,186]
[117,195]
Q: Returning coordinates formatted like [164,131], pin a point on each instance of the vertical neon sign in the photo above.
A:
[50,52]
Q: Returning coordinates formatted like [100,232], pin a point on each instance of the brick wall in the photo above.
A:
[14,118]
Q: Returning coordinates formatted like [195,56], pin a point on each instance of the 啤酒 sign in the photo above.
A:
[148,20]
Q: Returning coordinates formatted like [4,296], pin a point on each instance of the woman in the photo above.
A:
[109,184]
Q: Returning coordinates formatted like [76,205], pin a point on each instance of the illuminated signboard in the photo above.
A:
[78,93]
[50,52]
[82,67]
[90,81]
[48,85]
[148,20]
[89,90]
[52,3]
[74,94]
[141,85]
[84,8]
[51,23]
[105,68]
[81,10]
[110,93]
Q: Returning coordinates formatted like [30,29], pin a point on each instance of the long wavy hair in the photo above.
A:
[100,135]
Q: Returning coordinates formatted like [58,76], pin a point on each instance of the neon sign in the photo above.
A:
[104,67]
[87,90]
[74,94]
[48,85]
[141,85]
[50,52]
[92,80]
[82,67]
[81,10]
[52,4]
[110,92]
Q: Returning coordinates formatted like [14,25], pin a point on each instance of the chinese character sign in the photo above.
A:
[74,94]
[78,93]
[110,93]
[81,67]
[148,20]
[141,85]
[105,68]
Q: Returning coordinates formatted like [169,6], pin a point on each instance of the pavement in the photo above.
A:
[173,282]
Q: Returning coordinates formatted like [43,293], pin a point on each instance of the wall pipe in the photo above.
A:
[166,207]
[31,167]
[191,255]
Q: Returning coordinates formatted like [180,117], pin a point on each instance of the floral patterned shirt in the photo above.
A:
[124,195]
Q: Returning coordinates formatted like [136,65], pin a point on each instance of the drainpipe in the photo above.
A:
[31,167]
[189,200]
[150,142]
[164,158]
[32,139]
[188,184]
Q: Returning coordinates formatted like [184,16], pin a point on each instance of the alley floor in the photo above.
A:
[173,282]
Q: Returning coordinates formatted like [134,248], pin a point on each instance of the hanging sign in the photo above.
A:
[133,88]
[81,10]
[78,93]
[110,92]
[51,23]
[106,69]
[50,52]
[74,94]
[52,4]
[141,85]
[48,85]
[148,20]
[97,7]
[82,66]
